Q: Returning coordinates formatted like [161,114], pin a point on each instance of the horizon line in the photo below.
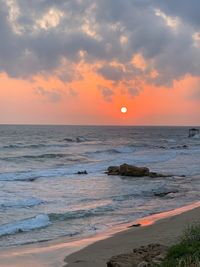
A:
[97,125]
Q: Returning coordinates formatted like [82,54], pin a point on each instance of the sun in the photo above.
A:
[124,110]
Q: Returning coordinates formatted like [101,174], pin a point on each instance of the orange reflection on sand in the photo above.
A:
[149,220]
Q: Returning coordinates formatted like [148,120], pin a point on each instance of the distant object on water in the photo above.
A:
[193,132]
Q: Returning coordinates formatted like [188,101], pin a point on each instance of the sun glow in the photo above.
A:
[124,110]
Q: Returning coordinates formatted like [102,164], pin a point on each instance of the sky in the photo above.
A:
[80,61]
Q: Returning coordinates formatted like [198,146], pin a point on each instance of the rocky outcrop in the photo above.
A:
[82,172]
[151,255]
[133,171]
[165,192]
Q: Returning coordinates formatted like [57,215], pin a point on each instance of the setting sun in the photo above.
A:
[124,110]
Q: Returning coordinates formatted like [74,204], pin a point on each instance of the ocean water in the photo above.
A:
[42,197]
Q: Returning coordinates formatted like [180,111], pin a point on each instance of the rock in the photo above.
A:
[132,171]
[162,147]
[128,170]
[157,175]
[165,192]
[113,170]
[82,172]
[80,139]
[140,257]
[32,179]
[69,140]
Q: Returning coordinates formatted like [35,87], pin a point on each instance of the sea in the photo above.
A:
[43,198]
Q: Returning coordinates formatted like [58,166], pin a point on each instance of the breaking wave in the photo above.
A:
[37,222]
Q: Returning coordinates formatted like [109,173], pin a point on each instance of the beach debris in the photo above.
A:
[135,225]
[150,255]
[82,172]
[133,171]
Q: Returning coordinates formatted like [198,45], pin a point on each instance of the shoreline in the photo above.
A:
[163,228]
[96,250]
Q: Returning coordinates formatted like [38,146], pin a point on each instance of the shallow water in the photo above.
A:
[41,197]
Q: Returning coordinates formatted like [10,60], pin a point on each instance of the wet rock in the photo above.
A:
[32,179]
[82,172]
[80,139]
[69,140]
[128,170]
[165,192]
[162,147]
[132,171]
[113,170]
[157,175]
[140,257]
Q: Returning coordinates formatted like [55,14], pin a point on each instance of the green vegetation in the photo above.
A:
[187,252]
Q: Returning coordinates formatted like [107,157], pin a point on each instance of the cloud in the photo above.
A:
[188,11]
[133,91]
[53,96]
[38,36]
[107,93]
[73,92]
[111,72]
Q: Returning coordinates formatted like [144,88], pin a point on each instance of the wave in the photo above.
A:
[118,150]
[44,220]
[93,166]
[47,156]
[33,146]
[26,225]
[78,214]
[196,136]
[109,151]
[32,175]
[22,203]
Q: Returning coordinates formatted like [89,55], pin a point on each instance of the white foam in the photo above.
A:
[196,136]
[25,225]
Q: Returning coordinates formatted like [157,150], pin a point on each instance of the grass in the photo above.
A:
[187,252]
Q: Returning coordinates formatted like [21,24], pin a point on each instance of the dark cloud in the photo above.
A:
[38,36]
[111,72]
[107,93]
[188,11]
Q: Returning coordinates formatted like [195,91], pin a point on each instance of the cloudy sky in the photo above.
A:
[80,61]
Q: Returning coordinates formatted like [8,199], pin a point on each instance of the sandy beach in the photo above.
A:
[165,231]
[164,228]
